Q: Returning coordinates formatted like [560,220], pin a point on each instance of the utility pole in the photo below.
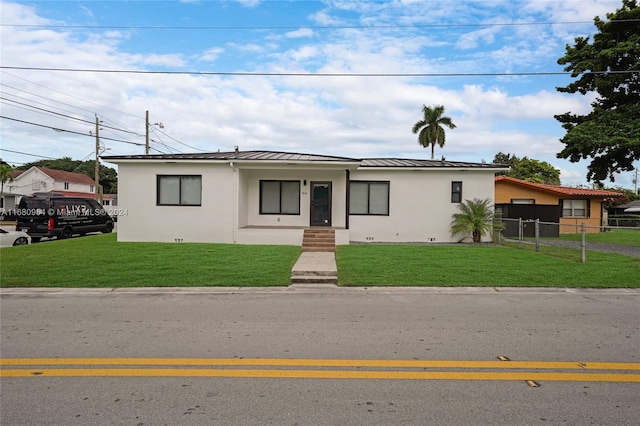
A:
[146,144]
[147,126]
[97,178]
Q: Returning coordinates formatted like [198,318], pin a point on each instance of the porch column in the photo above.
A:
[346,219]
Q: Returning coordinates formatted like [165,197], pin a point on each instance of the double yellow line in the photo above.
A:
[322,369]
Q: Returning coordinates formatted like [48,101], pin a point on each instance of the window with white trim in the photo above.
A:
[369,198]
[280,197]
[179,190]
[574,208]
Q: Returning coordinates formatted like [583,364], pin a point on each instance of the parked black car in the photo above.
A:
[61,217]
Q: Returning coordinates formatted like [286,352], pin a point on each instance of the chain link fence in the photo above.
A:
[539,235]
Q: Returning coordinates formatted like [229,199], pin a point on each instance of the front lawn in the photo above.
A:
[480,265]
[101,261]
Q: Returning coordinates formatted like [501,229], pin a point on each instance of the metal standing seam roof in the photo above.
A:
[404,162]
[298,157]
[235,155]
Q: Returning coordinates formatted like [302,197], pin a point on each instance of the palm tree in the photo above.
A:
[476,217]
[430,127]
[5,176]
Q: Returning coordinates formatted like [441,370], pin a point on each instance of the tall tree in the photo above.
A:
[609,66]
[430,130]
[529,169]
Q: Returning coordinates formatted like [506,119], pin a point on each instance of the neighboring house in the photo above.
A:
[627,215]
[109,200]
[43,179]
[632,207]
[570,207]
[265,197]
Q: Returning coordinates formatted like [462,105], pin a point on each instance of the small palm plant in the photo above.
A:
[476,218]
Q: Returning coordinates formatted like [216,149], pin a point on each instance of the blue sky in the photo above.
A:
[266,107]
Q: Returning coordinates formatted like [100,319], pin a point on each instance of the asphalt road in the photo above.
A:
[319,356]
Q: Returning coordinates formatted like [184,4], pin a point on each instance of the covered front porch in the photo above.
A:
[274,204]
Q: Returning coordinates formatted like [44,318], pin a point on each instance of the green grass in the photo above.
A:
[481,265]
[629,237]
[101,261]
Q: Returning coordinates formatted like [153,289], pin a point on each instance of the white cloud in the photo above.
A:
[211,54]
[471,40]
[88,12]
[302,32]
[249,3]
[350,116]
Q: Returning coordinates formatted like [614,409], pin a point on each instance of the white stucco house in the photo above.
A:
[43,179]
[266,197]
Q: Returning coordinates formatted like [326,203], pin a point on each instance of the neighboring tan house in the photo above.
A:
[266,197]
[43,179]
[570,207]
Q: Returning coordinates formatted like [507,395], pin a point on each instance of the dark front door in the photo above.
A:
[320,203]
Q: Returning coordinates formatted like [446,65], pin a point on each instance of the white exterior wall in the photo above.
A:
[73,186]
[252,180]
[420,207]
[24,184]
[146,221]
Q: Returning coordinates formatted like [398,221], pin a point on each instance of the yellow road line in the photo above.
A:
[285,362]
[322,374]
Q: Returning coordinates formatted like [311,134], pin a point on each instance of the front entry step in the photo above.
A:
[319,240]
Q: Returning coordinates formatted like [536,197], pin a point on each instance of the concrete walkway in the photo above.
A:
[315,268]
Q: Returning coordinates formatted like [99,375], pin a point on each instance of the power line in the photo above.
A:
[56,129]
[174,139]
[300,74]
[39,96]
[311,27]
[46,110]
[66,94]
[62,93]
[26,153]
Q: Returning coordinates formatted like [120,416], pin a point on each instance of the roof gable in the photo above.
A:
[63,176]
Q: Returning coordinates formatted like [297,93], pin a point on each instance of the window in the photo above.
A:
[574,208]
[456,192]
[90,188]
[523,201]
[370,198]
[35,184]
[179,190]
[279,197]
[66,185]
